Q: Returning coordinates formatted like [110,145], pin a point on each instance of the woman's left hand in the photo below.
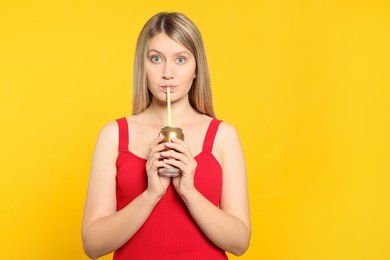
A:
[180,156]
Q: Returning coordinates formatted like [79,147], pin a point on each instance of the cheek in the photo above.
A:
[151,74]
[189,73]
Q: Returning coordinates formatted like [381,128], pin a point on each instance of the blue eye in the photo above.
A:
[155,59]
[181,60]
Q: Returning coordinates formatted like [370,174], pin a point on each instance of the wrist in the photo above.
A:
[151,197]
[190,196]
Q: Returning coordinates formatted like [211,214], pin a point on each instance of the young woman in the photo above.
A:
[139,214]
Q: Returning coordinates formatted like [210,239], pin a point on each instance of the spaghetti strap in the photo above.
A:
[123,134]
[210,135]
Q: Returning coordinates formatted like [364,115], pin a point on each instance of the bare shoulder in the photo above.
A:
[108,136]
[109,130]
[226,132]
[227,144]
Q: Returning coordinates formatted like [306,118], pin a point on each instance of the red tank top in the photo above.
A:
[170,233]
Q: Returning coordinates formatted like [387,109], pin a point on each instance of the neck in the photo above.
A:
[181,112]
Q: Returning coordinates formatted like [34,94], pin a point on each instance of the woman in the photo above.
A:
[130,208]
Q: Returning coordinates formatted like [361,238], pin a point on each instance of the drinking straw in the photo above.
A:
[169,106]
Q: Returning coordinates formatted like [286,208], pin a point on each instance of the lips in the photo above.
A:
[172,87]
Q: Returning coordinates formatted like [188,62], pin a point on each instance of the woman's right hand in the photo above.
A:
[157,185]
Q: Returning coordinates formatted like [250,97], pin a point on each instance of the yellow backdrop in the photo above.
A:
[306,83]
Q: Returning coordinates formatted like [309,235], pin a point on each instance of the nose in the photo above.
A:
[167,72]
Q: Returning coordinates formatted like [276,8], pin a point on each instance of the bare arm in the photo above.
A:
[229,226]
[104,229]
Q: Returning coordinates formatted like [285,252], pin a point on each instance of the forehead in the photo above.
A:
[165,44]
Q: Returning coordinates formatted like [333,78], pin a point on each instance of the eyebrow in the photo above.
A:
[180,52]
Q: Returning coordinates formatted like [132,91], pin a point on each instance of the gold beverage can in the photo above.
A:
[170,132]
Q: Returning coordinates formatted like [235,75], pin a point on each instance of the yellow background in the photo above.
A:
[306,83]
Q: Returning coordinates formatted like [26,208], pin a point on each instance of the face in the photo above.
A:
[169,64]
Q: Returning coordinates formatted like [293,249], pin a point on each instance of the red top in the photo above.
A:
[170,232]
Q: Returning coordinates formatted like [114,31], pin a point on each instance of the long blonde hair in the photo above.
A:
[180,28]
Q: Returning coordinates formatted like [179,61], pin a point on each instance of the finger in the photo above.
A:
[158,164]
[174,163]
[156,156]
[180,149]
[156,141]
[171,154]
[181,142]
[157,149]
[176,146]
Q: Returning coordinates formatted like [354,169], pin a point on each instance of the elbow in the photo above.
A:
[90,255]
[242,247]
[240,250]
[90,248]
[89,251]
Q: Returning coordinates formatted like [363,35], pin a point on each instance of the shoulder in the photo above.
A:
[109,129]
[228,147]
[227,140]
[109,134]
[226,131]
